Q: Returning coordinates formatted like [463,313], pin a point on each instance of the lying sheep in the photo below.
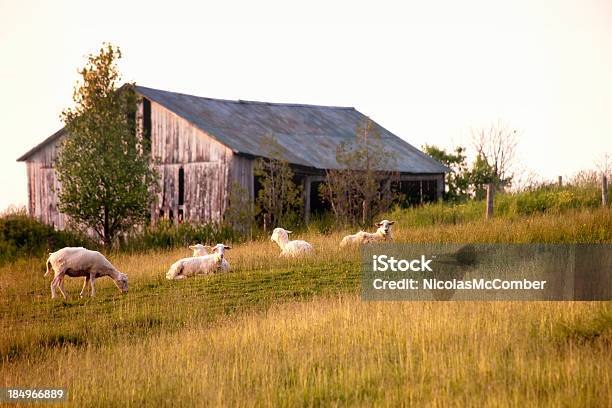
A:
[201,250]
[290,248]
[79,261]
[200,265]
[383,233]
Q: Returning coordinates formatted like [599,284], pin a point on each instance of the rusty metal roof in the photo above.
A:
[309,134]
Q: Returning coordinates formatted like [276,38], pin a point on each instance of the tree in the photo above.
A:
[363,185]
[279,198]
[496,146]
[480,175]
[458,180]
[107,180]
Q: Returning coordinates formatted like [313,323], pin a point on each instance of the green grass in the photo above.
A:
[282,332]
[548,199]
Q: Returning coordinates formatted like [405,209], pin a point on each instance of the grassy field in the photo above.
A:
[279,332]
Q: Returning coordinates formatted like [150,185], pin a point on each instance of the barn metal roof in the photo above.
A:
[309,134]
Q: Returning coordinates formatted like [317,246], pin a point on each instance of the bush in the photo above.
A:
[24,236]
[555,199]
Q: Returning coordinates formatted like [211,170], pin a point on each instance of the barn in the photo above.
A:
[203,145]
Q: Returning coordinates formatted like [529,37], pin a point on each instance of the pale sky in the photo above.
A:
[427,71]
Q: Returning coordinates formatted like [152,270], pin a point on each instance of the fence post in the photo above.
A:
[490,196]
[604,190]
[560,181]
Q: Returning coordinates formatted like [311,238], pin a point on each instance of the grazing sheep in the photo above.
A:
[74,262]
[200,265]
[290,248]
[383,233]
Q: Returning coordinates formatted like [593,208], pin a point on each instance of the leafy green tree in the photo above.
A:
[107,180]
[363,185]
[481,174]
[458,180]
[279,198]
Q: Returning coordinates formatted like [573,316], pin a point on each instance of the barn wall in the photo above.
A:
[207,166]
[43,187]
[242,173]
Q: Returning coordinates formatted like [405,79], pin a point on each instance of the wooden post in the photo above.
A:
[604,190]
[560,181]
[490,196]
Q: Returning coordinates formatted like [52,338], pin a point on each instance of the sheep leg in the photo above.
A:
[53,283]
[84,286]
[61,285]
[92,278]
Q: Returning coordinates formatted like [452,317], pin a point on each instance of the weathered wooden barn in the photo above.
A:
[203,145]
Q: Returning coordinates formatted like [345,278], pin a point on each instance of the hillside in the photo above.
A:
[296,333]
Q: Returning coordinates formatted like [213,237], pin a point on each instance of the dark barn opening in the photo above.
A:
[416,192]
[256,187]
[181,186]
[146,119]
[318,206]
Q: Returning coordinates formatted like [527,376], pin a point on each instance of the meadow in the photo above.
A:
[296,333]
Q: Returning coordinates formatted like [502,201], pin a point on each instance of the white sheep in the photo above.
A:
[201,250]
[383,233]
[78,261]
[290,248]
[200,265]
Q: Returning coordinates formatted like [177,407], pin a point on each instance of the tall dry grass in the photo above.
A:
[293,332]
[343,351]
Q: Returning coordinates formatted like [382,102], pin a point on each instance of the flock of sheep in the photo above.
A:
[75,262]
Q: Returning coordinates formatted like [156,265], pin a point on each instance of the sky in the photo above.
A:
[430,72]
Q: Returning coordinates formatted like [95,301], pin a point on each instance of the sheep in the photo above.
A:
[200,265]
[79,261]
[201,250]
[383,233]
[290,248]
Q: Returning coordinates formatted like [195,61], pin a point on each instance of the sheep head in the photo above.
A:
[280,235]
[121,281]
[200,250]
[219,251]
[384,227]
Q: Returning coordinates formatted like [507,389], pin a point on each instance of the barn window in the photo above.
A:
[181,186]
[317,204]
[146,119]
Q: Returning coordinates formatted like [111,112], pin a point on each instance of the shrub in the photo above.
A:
[24,236]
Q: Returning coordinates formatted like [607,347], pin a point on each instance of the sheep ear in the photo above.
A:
[289,232]
[192,247]
[378,224]
[227,247]
[391,222]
